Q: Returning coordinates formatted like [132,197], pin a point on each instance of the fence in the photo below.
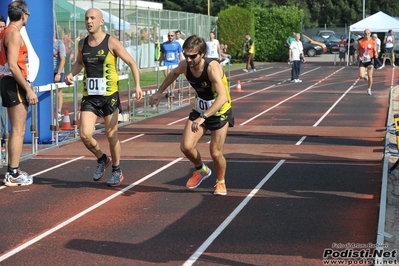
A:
[140,29]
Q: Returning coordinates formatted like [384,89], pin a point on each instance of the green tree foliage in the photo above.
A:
[272,27]
[233,24]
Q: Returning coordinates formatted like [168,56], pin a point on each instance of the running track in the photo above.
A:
[304,172]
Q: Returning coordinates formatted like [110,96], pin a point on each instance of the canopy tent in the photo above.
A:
[379,22]
[114,20]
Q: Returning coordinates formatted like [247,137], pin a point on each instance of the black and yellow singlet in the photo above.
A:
[205,92]
[99,64]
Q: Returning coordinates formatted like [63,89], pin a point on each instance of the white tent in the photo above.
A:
[114,20]
[379,22]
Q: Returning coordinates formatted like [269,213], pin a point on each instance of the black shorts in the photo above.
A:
[12,93]
[367,64]
[101,105]
[389,50]
[214,122]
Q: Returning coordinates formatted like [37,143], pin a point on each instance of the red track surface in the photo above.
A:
[304,172]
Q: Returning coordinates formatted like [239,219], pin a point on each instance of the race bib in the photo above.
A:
[202,105]
[170,56]
[366,57]
[96,86]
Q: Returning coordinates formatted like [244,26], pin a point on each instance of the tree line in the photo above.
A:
[334,13]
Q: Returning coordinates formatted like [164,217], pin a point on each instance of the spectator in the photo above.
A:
[389,42]
[287,44]
[377,62]
[249,49]
[226,58]
[59,54]
[296,57]
[178,38]
[213,48]
[16,92]
[342,45]
[3,110]
[68,44]
[352,51]
[171,54]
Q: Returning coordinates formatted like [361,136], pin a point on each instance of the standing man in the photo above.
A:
[15,90]
[178,38]
[288,42]
[296,57]
[98,55]
[59,55]
[211,111]
[213,48]
[389,42]
[171,54]
[3,110]
[377,62]
[367,51]
[249,48]
[342,44]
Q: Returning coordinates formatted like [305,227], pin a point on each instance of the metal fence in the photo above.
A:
[140,29]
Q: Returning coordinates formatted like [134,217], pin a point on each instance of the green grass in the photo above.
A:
[146,79]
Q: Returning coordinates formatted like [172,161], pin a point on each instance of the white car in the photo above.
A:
[325,33]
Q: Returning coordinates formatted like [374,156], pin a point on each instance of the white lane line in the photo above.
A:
[135,137]
[82,213]
[227,221]
[52,168]
[336,102]
[293,96]
[300,141]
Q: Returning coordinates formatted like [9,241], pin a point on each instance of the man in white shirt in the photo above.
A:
[213,48]
[389,42]
[296,56]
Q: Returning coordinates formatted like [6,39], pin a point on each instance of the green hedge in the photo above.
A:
[269,28]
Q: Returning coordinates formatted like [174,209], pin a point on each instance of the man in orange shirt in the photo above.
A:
[16,92]
[367,51]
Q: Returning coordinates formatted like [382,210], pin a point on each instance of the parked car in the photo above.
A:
[306,39]
[325,33]
[318,38]
[311,49]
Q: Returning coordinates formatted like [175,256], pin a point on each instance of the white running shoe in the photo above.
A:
[393,65]
[293,81]
[299,80]
[369,91]
[22,180]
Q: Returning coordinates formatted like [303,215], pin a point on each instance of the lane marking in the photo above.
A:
[135,137]
[232,215]
[82,213]
[335,104]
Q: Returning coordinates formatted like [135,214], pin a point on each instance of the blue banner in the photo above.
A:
[38,36]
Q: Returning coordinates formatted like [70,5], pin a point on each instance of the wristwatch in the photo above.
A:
[203,115]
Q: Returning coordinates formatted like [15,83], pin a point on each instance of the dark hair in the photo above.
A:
[16,10]
[178,31]
[2,19]
[196,42]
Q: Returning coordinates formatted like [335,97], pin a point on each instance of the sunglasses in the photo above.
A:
[191,56]
[171,35]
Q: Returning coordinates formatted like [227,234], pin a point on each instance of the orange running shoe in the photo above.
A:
[197,178]
[220,189]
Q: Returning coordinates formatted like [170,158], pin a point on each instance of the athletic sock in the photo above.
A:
[102,159]
[116,168]
[220,181]
[201,169]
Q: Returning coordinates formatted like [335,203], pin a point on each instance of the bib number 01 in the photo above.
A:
[96,86]
[202,105]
